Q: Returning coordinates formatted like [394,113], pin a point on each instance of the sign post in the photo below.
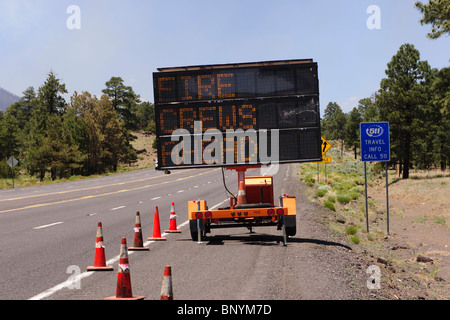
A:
[375,146]
[324,147]
[12,162]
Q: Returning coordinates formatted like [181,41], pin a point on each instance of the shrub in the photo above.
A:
[358,189]
[351,230]
[354,195]
[330,206]
[337,186]
[355,239]
[321,192]
[348,185]
[331,199]
[343,199]
[309,181]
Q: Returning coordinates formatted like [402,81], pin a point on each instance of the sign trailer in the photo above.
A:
[239,116]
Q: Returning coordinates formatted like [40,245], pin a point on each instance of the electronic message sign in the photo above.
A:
[237,114]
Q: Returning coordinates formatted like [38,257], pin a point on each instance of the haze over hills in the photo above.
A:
[7,99]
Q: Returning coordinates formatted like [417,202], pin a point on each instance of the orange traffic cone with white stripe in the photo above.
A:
[138,242]
[156,228]
[241,198]
[166,289]
[173,221]
[123,290]
[99,257]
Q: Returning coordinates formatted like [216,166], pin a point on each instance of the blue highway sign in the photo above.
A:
[375,141]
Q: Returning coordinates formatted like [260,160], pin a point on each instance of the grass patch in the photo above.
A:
[355,239]
[354,195]
[321,192]
[440,220]
[342,192]
[343,198]
[330,205]
[309,181]
[331,199]
[357,189]
[420,220]
[351,230]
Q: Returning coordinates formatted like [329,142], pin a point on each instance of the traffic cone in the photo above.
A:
[173,221]
[99,258]
[123,290]
[156,229]
[138,242]
[166,289]
[241,198]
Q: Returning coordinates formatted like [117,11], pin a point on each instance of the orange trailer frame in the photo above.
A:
[259,209]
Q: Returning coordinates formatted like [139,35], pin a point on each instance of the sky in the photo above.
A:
[131,39]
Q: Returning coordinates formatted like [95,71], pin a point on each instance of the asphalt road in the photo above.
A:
[47,236]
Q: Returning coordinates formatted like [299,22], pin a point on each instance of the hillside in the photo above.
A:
[6,99]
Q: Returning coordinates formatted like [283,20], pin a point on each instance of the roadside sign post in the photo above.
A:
[318,174]
[375,146]
[365,192]
[325,147]
[12,162]
[387,196]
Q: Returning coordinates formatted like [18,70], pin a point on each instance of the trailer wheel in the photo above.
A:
[291,225]
[194,230]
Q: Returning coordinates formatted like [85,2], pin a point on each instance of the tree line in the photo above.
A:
[414,98]
[84,136]
[90,135]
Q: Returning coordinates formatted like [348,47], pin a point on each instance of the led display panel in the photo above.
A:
[237,114]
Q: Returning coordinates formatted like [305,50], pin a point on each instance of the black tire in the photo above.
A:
[291,225]
[194,230]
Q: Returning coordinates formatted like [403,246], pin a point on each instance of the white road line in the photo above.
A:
[217,205]
[68,282]
[271,170]
[48,225]
[72,279]
[180,191]
[155,198]
[117,208]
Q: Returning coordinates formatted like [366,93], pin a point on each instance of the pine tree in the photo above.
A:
[440,103]
[333,123]
[50,94]
[352,129]
[124,101]
[436,13]
[45,147]
[401,100]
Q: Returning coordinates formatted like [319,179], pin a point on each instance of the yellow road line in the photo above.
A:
[104,194]
[89,188]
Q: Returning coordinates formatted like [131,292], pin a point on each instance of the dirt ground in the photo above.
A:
[419,223]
